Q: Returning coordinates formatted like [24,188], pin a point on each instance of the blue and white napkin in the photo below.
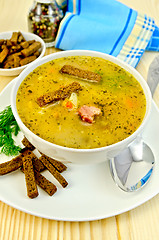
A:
[109,27]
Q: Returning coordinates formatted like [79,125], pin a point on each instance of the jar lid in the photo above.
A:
[43,1]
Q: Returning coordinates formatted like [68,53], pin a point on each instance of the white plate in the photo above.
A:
[91,193]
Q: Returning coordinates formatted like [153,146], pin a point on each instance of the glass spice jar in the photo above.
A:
[43,19]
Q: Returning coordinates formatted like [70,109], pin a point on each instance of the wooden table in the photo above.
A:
[140,223]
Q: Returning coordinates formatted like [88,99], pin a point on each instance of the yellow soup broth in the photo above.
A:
[118,95]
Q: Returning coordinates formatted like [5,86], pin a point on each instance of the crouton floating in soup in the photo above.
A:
[60,94]
[80,73]
[92,114]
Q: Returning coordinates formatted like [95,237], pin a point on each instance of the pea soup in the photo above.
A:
[117,103]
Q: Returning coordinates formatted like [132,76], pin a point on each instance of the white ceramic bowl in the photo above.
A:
[80,156]
[28,36]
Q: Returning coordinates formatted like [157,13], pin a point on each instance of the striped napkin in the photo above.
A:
[109,27]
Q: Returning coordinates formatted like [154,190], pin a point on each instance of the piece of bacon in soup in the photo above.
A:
[88,113]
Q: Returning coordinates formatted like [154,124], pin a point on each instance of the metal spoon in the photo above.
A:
[132,168]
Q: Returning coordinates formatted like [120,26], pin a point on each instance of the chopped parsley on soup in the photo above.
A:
[81,102]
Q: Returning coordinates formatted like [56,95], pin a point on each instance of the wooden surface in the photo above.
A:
[140,223]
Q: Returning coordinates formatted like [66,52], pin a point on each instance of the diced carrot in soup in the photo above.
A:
[69,104]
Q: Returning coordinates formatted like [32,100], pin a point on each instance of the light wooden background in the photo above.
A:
[141,223]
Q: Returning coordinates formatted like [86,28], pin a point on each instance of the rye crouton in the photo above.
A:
[27,144]
[31,49]
[53,171]
[32,190]
[44,183]
[60,94]
[80,73]
[3,54]
[14,38]
[60,167]
[11,165]
[27,60]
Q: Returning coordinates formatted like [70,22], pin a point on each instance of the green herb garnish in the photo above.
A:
[8,128]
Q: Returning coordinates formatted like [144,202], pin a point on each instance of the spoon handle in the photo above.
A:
[153,75]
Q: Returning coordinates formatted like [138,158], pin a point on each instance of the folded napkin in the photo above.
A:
[109,27]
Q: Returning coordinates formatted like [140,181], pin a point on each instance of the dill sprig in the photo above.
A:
[8,128]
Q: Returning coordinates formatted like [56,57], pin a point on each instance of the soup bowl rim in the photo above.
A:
[67,53]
